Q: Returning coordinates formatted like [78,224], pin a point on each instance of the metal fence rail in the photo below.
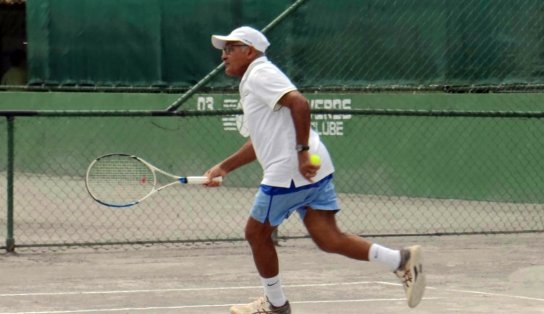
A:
[399,172]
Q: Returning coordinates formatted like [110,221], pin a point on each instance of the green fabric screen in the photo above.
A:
[344,43]
[132,42]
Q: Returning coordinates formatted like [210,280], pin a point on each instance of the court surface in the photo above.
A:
[465,274]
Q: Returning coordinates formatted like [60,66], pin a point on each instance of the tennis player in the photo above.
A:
[277,117]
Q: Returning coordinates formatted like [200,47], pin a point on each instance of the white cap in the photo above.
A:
[245,34]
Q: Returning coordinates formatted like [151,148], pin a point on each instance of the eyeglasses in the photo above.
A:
[228,49]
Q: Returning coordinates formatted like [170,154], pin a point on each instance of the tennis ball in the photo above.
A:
[315,159]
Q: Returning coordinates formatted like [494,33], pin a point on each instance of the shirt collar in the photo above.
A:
[253,63]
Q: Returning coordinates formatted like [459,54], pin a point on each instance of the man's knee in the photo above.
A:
[251,234]
[256,232]
[324,231]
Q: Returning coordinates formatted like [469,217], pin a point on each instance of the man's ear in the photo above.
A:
[253,53]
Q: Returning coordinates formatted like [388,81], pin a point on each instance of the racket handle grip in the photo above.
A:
[202,180]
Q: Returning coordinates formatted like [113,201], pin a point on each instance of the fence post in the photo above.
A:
[10,241]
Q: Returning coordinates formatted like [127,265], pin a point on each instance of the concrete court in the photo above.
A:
[465,274]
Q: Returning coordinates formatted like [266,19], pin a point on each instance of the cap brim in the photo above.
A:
[219,41]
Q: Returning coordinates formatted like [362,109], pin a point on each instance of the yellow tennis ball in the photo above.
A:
[315,159]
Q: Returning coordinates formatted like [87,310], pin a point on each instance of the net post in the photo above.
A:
[181,100]
[10,240]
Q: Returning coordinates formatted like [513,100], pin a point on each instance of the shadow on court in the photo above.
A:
[465,274]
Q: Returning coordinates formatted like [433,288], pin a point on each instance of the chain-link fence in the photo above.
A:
[475,169]
[328,44]
[397,173]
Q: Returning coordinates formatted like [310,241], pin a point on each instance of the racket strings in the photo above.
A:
[119,180]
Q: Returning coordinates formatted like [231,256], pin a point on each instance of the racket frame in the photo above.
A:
[154,170]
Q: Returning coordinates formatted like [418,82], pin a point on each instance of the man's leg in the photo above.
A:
[407,263]
[325,232]
[259,236]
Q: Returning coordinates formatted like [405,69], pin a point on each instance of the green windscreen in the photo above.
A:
[324,43]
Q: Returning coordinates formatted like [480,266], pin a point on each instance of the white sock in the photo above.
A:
[387,256]
[274,291]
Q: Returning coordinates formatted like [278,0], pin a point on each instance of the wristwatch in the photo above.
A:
[301,148]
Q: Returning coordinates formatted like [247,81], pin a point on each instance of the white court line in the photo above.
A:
[258,287]
[202,306]
[492,294]
[30,294]
[124,309]
[471,292]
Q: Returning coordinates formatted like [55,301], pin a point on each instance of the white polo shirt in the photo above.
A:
[271,127]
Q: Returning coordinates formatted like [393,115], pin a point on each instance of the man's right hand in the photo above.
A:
[214,172]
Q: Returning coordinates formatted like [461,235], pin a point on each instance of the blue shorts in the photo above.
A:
[275,204]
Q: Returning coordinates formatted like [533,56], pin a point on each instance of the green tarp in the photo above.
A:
[345,43]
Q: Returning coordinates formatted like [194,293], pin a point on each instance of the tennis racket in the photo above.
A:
[122,180]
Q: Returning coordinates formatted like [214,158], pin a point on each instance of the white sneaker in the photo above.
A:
[410,273]
[260,306]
